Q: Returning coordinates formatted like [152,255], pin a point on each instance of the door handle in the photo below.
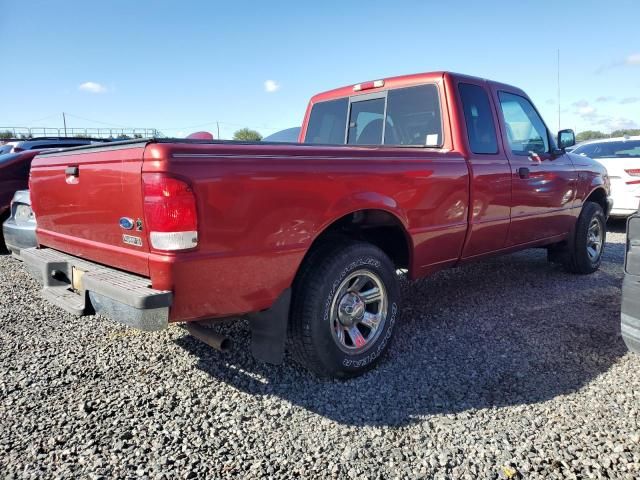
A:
[523,172]
[72,170]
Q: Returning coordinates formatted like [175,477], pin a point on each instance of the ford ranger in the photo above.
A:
[408,174]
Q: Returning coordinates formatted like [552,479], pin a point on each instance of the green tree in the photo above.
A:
[629,131]
[7,134]
[590,135]
[247,135]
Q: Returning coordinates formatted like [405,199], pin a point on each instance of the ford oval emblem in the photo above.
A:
[126,223]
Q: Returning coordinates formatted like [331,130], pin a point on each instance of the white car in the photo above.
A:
[621,158]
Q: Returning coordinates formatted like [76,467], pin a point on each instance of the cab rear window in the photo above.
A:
[405,116]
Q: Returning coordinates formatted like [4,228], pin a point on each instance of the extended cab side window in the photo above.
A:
[526,131]
[413,117]
[327,122]
[481,130]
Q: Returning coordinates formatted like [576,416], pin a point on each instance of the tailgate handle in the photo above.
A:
[72,171]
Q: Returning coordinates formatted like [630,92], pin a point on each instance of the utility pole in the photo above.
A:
[218,126]
[559,90]
[64,120]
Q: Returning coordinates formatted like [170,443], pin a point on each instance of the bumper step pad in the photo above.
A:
[122,296]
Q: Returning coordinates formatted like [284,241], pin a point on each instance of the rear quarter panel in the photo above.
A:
[261,207]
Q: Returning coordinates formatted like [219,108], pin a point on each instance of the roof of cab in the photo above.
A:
[403,81]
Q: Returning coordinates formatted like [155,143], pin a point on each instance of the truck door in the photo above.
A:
[543,178]
[490,191]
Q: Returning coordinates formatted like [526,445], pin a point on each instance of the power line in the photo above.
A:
[97,121]
[43,118]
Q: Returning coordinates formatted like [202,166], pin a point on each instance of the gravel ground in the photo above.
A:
[509,368]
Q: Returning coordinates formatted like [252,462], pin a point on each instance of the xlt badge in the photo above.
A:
[132,240]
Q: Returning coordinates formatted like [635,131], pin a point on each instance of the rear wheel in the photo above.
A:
[344,308]
[585,251]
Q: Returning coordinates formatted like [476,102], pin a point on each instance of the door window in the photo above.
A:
[526,131]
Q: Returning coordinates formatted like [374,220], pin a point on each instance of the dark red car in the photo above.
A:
[438,170]
[14,175]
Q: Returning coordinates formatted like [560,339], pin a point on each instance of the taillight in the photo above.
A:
[170,212]
[634,172]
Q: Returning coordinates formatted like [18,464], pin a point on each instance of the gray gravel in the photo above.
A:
[506,368]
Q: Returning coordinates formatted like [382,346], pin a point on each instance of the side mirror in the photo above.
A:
[566,138]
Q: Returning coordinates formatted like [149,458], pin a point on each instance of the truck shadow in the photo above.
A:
[617,225]
[508,331]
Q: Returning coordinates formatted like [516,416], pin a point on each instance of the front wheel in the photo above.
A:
[586,249]
[345,306]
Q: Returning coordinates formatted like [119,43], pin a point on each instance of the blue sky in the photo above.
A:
[181,66]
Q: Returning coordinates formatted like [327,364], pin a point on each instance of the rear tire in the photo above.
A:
[345,305]
[587,246]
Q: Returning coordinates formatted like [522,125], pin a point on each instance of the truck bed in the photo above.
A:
[259,207]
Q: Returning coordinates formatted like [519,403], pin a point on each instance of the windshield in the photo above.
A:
[619,149]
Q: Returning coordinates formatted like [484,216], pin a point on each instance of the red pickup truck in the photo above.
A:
[415,173]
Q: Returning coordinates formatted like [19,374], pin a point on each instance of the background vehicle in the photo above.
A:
[7,147]
[14,176]
[630,311]
[621,157]
[19,230]
[289,135]
[440,169]
[42,143]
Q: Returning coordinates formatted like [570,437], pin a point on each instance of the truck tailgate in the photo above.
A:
[89,203]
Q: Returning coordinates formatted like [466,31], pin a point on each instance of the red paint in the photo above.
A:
[260,206]
[14,176]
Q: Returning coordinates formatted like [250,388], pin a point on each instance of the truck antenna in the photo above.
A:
[559,90]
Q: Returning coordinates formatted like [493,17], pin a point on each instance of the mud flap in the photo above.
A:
[269,330]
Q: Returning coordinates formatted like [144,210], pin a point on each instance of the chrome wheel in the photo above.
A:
[358,312]
[594,239]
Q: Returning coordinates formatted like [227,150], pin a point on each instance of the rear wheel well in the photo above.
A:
[378,227]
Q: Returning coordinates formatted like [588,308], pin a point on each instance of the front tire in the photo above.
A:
[586,249]
[345,305]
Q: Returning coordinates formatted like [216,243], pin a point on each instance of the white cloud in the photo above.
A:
[633,59]
[92,87]
[586,111]
[605,99]
[580,104]
[616,123]
[271,86]
[628,100]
